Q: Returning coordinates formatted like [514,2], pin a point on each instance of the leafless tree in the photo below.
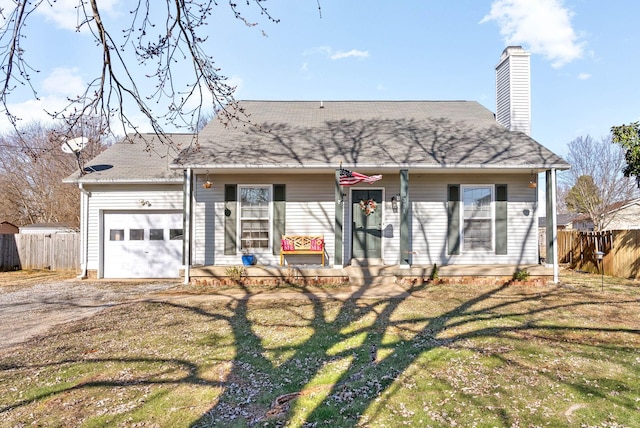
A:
[603,163]
[31,188]
[160,35]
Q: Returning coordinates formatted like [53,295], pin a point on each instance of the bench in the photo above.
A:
[301,244]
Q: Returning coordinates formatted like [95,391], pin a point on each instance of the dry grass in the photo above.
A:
[565,355]
[21,278]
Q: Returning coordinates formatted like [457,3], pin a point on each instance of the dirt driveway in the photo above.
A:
[31,303]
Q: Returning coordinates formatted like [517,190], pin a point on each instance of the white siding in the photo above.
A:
[626,218]
[119,197]
[513,91]
[310,209]
[429,219]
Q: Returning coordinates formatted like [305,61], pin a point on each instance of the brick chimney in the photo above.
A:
[513,90]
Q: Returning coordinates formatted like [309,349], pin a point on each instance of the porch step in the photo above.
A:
[371,275]
[372,281]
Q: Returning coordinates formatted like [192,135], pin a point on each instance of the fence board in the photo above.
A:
[621,251]
[59,251]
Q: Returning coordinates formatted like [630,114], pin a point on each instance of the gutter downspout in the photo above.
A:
[84,230]
[187,210]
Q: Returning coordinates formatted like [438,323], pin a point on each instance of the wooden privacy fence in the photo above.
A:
[621,250]
[58,251]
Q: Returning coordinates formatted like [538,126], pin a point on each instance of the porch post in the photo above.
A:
[187,205]
[552,223]
[339,203]
[405,237]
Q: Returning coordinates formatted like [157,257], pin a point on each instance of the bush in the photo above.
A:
[521,275]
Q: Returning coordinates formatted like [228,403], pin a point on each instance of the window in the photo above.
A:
[175,234]
[477,215]
[254,217]
[136,235]
[156,234]
[116,234]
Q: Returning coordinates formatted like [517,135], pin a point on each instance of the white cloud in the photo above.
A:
[64,81]
[543,25]
[350,54]
[336,55]
[53,96]
[584,76]
[68,14]
[319,50]
[34,111]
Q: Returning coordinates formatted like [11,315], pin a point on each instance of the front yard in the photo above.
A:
[448,355]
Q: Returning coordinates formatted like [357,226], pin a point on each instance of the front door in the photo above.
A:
[367,224]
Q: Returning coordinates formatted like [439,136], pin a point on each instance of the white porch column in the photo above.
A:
[187,210]
[552,224]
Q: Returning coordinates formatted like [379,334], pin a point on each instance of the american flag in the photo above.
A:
[349,178]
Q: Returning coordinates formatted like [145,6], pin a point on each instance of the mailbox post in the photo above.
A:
[600,256]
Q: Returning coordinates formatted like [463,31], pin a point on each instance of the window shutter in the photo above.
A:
[453,216]
[230,216]
[279,216]
[501,219]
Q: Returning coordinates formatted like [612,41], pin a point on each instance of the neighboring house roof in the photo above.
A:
[611,210]
[561,220]
[365,134]
[46,228]
[8,228]
[136,159]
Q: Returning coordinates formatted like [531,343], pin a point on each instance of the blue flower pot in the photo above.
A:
[248,260]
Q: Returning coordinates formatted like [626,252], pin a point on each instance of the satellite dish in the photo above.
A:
[74,145]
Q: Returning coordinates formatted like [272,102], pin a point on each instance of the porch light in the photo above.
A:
[207,184]
[394,204]
[533,182]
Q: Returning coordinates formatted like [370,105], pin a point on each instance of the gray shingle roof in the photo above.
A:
[143,158]
[408,134]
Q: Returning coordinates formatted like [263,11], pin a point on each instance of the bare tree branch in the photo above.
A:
[158,50]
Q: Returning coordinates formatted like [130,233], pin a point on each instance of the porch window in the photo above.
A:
[254,217]
[477,218]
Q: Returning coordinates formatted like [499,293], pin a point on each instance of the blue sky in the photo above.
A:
[584,55]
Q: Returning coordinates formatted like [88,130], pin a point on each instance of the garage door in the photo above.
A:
[142,244]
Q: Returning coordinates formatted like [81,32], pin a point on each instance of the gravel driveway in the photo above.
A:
[31,310]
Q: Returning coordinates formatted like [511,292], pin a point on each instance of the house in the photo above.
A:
[622,215]
[7,228]
[455,186]
[564,221]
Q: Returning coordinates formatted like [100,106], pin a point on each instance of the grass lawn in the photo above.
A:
[485,356]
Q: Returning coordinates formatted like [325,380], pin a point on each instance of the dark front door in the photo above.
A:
[367,224]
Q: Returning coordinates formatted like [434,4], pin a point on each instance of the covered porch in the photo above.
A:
[371,275]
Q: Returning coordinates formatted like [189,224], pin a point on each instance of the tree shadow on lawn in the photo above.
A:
[327,374]
[361,383]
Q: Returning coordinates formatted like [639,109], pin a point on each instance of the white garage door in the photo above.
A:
[142,244]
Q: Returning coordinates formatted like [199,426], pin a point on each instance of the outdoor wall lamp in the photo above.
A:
[207,184]
[394,204]
[533,182]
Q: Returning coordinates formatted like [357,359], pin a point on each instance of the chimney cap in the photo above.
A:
[513,50]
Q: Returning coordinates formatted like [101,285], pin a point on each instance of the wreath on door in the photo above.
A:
[368,206]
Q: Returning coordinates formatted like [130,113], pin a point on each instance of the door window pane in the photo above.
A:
[116,234]
[175,234]
[136,234]
[156,234]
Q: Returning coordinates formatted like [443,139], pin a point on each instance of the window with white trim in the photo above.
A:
[255,217]
[477,218]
